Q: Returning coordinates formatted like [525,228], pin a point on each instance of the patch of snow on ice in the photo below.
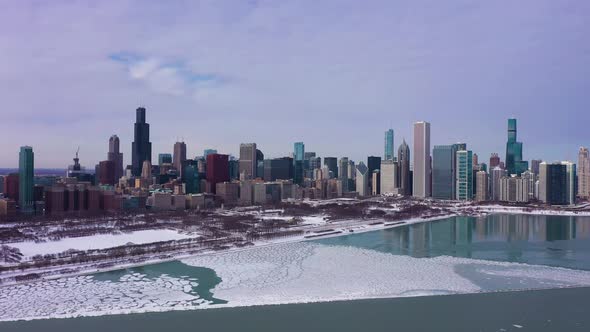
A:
[84,296]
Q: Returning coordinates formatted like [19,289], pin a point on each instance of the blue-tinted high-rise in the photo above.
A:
[26,179]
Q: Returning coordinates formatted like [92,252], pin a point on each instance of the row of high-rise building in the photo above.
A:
[446,172]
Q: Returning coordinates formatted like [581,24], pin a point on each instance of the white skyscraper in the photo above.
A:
[584,173]
[421,154]
[362,179]
[389,177]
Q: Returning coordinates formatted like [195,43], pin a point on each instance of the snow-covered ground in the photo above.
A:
[99,241]
[531,211]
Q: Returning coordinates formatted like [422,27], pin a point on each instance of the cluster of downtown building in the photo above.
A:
[447,172]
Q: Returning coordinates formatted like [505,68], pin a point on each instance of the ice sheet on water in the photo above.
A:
[85,296]
[282,273]
[307,272]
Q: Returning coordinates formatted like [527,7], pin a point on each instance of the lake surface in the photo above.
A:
[472,253]
[543,240]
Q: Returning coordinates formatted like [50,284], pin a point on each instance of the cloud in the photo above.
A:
[172,78]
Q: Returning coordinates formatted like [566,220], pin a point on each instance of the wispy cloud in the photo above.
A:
[173,78]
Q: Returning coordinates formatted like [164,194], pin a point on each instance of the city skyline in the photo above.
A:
[82,87]
[179,148]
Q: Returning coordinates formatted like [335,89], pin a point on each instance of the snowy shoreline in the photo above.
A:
[340,228]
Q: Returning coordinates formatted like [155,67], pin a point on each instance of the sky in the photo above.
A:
[333,74]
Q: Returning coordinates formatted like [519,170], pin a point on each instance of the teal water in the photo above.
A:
[541,240]
[559,310]
[206,278]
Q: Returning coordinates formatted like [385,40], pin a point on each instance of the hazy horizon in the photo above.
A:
[333,74]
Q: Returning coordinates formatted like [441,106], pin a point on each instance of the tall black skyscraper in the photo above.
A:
[141,149]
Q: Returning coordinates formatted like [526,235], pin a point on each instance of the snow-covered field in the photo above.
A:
[100,241]
[282,273]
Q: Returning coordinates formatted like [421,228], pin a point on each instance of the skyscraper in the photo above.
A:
[217,170]
[278,169]
[343,173]
[106,174]
[191,177]
[374,164]
[389,177]
[332,164]
[146,171]
[26,179]
[403,159]
[247,161]
[389,147]
[141,148]
[535,166]
[179,156]
[497,173]
[514,162]
[494,161]
[583,173]
[553,180]
[299,151]
[115,156]
[164,158]
[443,171]
[259,164]
[362,179]
[571,183]
[464,177]
[481,192]
[298,159]
[421,183]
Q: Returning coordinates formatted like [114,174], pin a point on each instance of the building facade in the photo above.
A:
[248,162]
[141,148]
[583,173]
[179,156]
[464,176]
[514,163]
[481,190]
[332,164]
[405,175]
[217,170]
[389,175]
[421,155]
[443,172]
[26,179]
[362,179]
[389,152]
[116,156]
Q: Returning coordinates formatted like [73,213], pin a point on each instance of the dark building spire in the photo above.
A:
[141,148]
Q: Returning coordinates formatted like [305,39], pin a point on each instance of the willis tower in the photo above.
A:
[141,149]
